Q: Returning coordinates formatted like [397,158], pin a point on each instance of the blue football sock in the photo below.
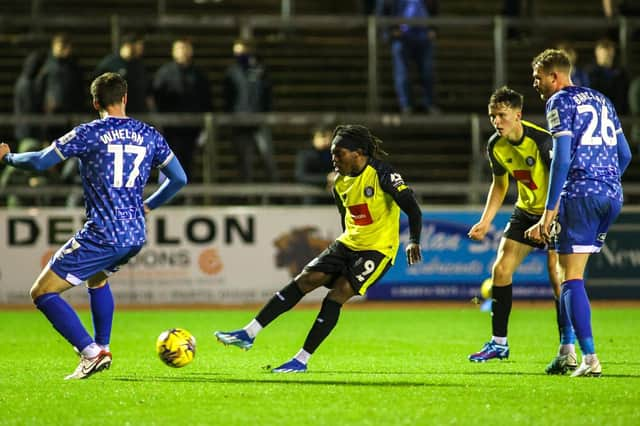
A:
[567,336]
[102,307]
[577,303]
[64,319]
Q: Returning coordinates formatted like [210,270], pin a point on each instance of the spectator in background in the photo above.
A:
[518,9]
[624,8]
[26,100]
[608,78]
[247,89]
[26,97]
[61,84]
[611,8]
[579,76]
[128,63]
[411,43]
[313,165]
[180,87]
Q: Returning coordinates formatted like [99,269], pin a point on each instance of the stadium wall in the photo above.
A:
[238,255]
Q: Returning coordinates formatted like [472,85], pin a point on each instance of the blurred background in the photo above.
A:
[249,145]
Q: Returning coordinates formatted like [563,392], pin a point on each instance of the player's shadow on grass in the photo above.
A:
[202,378]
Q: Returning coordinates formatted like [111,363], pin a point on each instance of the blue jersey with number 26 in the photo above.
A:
[116,157]
[589,118]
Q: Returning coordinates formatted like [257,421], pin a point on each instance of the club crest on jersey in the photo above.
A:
[530,161]
[368,191]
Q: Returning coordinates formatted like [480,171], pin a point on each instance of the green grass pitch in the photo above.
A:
[405,365]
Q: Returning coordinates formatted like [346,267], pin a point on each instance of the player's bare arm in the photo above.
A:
[497,193]
[4,150]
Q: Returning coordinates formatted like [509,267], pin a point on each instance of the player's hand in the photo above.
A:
[534,233]
[414,253]
[146,208]
[542,232]
[4,150]
[478,231]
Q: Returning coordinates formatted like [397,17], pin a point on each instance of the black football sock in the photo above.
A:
[558,318]
[280,303]
[325,322]
[500,309]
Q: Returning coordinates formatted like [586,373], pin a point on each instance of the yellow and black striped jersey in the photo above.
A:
[369,208]
[527,161]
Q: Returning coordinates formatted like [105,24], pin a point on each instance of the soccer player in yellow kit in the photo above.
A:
[369,195]
[519,149]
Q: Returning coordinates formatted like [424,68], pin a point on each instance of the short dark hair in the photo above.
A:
[108,89]
[248,42]
[130,38]
[182,39]
[552,59]
[322,128]
[508,97]
[62,38]
[606,43]
[359,137]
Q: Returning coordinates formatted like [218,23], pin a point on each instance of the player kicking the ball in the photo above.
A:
[369,195]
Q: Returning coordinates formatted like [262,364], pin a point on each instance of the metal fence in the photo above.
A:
[472,192]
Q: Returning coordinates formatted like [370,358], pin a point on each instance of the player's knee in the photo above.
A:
[36,291]
[310,280]
[97,281]
[341,292]
[501,273]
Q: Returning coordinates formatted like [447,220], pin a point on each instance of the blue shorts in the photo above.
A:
[78,260]
[584,222]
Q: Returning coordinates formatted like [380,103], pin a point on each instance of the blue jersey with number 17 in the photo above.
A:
[590,119]
[116,156]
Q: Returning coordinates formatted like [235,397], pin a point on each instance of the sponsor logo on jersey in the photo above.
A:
[553,118]
[396,180]
[67,137]
[524,177]
[360,214]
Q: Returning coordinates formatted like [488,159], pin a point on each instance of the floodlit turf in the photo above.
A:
[379,367]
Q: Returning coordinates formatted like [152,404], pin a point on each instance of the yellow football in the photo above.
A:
[485,288]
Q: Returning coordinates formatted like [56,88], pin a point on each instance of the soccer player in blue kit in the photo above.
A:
[116,155]
[590,155]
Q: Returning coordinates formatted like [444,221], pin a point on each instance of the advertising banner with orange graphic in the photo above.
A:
[193,255]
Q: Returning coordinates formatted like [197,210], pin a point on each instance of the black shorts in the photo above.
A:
[519,222]
[362,268]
